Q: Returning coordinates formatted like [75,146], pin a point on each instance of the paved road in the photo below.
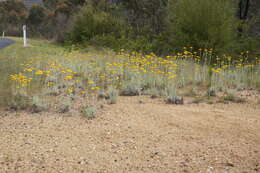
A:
[5,42]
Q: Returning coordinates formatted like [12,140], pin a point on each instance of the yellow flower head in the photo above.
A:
[39,72]
[68,77]
[70,90]
[28,70]
[91,82]
[94,88]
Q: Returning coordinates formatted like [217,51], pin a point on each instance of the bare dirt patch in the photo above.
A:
[134,136]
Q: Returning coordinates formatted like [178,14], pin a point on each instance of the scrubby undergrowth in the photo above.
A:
[47,77]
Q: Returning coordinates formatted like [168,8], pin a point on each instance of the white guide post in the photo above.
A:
[3,34]
[24,36]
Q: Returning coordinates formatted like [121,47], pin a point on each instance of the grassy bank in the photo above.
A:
[43,72]
[13,56]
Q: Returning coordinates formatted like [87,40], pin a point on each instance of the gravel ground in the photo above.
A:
[133,137]
[5,42]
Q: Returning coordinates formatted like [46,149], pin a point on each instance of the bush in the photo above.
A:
[161,27]
[112,95]
[131,88]
[178,100]
[89,112]
[91,24]
[203,23]
[172,97]
[36,16]
[19,101]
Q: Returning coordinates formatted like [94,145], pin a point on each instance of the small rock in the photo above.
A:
[141,102]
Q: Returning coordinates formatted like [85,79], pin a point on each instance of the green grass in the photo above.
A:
[12,56]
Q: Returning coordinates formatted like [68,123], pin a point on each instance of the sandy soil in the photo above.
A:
[134,137]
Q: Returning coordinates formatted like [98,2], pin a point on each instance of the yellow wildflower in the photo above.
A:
[70,90]
[39,72]
[28,70]
[91,82]
[68,77]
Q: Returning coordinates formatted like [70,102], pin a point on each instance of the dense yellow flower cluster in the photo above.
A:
[92,72]
[21,80]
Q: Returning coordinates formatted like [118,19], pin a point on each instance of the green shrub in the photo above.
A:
[203,23]
[91,24]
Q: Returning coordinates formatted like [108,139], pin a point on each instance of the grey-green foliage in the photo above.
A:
[19,100]
[203,23]
[153,92]
[172,97]
[38,101]
[38,104]
[112,95]
[89,112]
[131,88]
[65,105]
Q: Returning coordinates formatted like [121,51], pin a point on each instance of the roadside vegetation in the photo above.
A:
[47,77]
